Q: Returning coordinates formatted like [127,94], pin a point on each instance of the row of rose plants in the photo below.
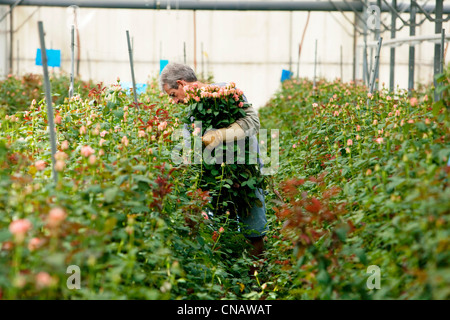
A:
[19,91]
[132,222]
[363,181]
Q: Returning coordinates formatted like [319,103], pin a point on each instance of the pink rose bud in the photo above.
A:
[19,228]
[125,141]
[83,130]
[92,159]
[43,280]
[58,119]
[59,165]
[40,165]
[162,126]
[55,217]
[141,134]
[86,151]
[34,244]
[65,145]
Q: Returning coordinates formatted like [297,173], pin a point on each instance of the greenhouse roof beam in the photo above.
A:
[215,5]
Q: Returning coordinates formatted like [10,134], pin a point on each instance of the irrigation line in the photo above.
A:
[130,52]
[48,97]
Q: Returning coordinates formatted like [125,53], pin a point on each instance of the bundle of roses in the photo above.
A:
[232,184]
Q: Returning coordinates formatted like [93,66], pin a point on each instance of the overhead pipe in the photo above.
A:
[218,5]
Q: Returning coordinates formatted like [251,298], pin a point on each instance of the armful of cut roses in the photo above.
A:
[213,138]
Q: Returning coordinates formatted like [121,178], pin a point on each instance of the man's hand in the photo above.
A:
[213,138]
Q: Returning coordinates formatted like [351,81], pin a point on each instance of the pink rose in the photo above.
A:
[92,159]
[34,244]
[125,141]
[65,145]
[40,165]
[379,140]
[59,165]
[349,142]
[19,228]
[55,217]
[162,126]
[86,151]
[43,280]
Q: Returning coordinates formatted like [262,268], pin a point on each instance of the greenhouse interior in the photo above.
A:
[220,150]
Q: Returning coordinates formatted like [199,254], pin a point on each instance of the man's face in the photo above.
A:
[178,94]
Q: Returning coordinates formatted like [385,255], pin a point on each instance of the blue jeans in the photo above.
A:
[255,224]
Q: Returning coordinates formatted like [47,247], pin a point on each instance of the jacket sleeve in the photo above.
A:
[250,123]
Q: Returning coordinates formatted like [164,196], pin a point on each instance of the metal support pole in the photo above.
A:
[72,62]
[437,46]
[18,57]
[342,68]
[315,67]
[290,41]
[130,53]
[195,40]
[442,50]
[48,98]
[355,53]
[202,60]
[376,65]
[365,62]
[377,36]
[412,32]
[11,39]
[392,57]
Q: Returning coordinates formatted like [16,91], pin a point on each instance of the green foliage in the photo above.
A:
[387,155]
[18,93]
[362,181]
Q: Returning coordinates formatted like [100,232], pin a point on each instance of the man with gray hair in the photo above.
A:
[173,78]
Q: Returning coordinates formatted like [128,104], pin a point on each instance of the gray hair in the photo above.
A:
[173,72]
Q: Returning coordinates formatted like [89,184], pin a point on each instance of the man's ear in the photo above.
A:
[181,82]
